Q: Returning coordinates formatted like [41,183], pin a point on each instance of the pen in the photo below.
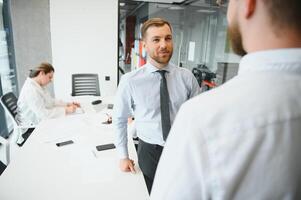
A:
[94,154]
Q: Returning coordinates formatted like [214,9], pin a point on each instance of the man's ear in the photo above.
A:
[249,8]
[143,43]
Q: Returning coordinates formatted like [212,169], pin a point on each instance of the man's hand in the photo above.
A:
[127,165]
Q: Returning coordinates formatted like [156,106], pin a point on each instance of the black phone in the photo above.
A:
[98,101]
[105,147]
[64,143]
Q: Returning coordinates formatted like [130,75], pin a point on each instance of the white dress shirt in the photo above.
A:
[35,104]
[139,95]
[241,140]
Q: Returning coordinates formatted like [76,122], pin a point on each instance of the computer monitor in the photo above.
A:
[225,71]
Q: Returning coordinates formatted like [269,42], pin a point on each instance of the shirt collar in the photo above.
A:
[151,68]
[35,83]
[278,60]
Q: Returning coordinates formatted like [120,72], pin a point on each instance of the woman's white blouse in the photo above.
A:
[35,104]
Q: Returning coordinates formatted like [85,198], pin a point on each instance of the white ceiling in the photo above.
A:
[129,6]
[162,1]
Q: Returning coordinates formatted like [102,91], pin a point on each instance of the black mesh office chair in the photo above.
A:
[9,102]
[85,84]
[198,75]
[6,148]
[204,77]
[2,167]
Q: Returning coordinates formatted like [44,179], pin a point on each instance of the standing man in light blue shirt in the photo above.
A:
[153,94]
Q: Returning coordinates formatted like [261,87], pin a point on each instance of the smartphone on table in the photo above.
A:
[105,147]
[64,143]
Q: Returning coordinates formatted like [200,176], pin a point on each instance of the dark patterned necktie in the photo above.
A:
[164,105]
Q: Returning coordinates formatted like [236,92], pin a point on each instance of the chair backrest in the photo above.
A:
[198,75]
[9,102]
[5,142]
[2,167]
[85,84]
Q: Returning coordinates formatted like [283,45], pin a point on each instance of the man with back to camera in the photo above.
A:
[247,146]
[153,93]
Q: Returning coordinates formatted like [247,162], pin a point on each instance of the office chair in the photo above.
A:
[2,167]
[9,103]
[198,75]
[85,84]
[204,77]
[5,144]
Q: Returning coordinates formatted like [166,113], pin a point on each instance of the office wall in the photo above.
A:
[84,40]
[31,34]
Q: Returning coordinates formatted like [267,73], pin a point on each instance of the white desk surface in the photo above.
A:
[43,171]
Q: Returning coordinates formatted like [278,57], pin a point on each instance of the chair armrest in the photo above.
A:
[3,141]
[26,126]
[7,151]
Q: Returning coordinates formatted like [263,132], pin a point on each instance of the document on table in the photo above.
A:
[99,107]
[79,110]
[97,121]
[93,108]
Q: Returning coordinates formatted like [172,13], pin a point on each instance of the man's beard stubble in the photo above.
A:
[236,39]
[158,59]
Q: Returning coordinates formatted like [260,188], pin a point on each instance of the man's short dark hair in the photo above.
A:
[284,13]
[158,22]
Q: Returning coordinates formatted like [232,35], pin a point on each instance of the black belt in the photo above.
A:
[156,146]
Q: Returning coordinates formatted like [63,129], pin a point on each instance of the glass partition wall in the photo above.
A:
[199,33]
[7,68]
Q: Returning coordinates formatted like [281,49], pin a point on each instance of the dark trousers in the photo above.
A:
[148,158]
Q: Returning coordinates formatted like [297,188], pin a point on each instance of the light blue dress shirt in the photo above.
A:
[139,95]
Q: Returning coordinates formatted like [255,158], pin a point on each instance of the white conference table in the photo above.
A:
[43,171]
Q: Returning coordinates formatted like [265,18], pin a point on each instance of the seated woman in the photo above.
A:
[35,102]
